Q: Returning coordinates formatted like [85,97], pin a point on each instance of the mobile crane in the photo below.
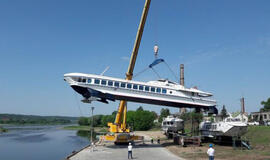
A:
[119,133]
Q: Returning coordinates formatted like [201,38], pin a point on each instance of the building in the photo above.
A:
[260,116]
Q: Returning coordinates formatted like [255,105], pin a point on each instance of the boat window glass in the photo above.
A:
[135,86]
[123,85]
[116,84]
[110,83]
[129,85]
[158,90]
[83,80]
[153,89]
[97,81]
[103,82]
[164,91]
[146,88]
[140,87]
[89,80]
[79,79]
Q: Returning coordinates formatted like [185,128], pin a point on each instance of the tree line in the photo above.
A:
[32,119]
[136,120]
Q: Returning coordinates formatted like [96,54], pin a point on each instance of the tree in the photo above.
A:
[106,119]
[84,121]
[140,108]
[140,119]
[223,112]
[266,105]
[163,113]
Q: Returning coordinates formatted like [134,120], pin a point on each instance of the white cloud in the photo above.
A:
[125,58]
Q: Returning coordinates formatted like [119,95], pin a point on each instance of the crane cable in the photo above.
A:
[156,73]
[156,62]
[175,76]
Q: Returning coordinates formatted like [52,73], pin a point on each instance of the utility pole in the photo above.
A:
[92,109]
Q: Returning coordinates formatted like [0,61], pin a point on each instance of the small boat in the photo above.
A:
[172,125]
[229,127]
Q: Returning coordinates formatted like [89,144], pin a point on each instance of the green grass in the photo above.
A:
[258,135]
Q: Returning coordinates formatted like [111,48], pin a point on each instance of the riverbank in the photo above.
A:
[3,130]
[258,136]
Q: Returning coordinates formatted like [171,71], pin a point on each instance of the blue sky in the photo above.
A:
[225,46]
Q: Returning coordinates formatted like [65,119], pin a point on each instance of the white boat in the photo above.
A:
[229,127]
[160,92]
[172,124]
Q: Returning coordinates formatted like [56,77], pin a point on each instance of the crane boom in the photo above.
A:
[120,119]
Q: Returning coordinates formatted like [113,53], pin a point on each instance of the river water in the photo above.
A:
[39,143]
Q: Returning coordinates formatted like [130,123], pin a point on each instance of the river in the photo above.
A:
[39,143]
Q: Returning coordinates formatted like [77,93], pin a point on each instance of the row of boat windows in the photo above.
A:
[122,85]
[233,120]
[211,126]
[167,123]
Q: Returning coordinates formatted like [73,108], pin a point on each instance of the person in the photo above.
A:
[130,151]
[93,147]
[211,152]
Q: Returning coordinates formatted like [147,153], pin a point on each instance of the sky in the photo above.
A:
[224,45]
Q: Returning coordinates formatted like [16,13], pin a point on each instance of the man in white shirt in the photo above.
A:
[130,151]
[211,152]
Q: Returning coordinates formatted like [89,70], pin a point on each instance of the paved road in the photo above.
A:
[112,152]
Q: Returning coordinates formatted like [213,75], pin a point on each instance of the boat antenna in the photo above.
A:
[105,70]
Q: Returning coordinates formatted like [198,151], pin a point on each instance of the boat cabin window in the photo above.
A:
[103,82]
[164,90]
[141,88]
[116,84]
[158,90]
[123,85]
[146,88]
[79,79]
[129,85]
[110,83]
[89,80]
[83,80]
[97,81]
[153,89]
[135,86]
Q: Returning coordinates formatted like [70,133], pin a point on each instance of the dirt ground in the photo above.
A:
[199,152]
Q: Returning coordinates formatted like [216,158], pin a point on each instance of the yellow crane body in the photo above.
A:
[119,133]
